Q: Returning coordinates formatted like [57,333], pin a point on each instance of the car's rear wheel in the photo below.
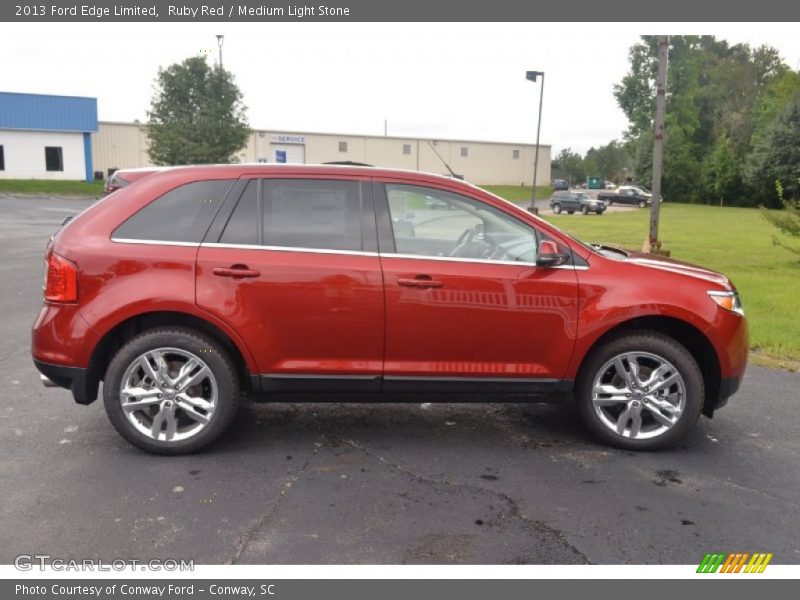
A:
[585,210]
[556,208]
[641,391]
[171,391]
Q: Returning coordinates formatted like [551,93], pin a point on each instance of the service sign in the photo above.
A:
[287,139]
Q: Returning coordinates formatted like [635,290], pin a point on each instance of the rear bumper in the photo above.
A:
[83,388]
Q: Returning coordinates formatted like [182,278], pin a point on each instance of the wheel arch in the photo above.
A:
[123,331]
[698,345]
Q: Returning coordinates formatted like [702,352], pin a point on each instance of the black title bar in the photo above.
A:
[608,11]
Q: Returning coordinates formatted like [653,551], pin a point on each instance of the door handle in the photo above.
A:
[420,281]
[236,271]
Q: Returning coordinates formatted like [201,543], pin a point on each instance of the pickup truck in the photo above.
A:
[627,194]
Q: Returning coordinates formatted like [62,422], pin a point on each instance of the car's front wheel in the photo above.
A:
[641,391]
[642,203]
[171,391]
[556,208]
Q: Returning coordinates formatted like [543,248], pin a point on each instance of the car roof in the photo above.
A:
[200,172]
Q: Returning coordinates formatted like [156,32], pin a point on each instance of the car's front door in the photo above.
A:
[465,302]
[293,268]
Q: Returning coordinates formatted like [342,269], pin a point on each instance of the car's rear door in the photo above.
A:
[462,313]
[293,268]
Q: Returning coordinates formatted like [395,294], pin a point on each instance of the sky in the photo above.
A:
[451,80]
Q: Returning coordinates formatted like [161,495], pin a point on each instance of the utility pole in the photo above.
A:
[658,142]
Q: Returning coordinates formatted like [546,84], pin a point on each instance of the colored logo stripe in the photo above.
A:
[711,563]
[734,563]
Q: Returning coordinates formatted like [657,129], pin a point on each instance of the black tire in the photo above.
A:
[653,343]
[584,210]
[642,204]
[214,356]
[556,208]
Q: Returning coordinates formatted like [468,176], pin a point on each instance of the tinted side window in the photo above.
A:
[181,215]
[312,213]
[242,226]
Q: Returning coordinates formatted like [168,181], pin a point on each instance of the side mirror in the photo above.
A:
[549,256]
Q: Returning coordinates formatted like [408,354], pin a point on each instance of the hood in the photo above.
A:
[654,261]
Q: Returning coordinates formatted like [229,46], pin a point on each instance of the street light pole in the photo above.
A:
[531,76]
[220,41]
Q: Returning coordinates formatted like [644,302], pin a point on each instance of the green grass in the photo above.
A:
[519,194]
[56,188]
[734,241]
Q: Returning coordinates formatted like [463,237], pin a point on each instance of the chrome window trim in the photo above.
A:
[511,263]
[343,252]
[287,249]
[154,242]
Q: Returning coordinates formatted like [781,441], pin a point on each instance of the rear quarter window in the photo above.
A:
[183,214]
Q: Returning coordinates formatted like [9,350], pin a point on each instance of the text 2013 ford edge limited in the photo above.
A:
[199,286]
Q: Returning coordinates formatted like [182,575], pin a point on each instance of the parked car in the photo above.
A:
[200,287]
[560,184]
[610,185]
[124,177]
[627,195]
[576,201]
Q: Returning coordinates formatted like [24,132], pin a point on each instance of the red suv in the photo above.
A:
[199,286]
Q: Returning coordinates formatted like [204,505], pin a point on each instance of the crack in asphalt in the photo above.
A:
[244,540]
[513,505]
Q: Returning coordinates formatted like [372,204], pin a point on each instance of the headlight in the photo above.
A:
[728,300]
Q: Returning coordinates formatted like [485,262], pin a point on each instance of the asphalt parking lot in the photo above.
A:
[377,483]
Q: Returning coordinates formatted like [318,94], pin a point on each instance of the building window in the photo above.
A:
[2,159]
[464,151]
[515,154]
[342,146]
[53,158]
[406,148]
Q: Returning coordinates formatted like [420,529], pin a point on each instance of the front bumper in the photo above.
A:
[83,388]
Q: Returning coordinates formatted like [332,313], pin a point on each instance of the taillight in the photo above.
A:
[61,279]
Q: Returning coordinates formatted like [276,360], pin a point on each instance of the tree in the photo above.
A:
[722,101]
[777,156]
[196,115]
[568,165]
[721,172]
[609,161]
[786,221]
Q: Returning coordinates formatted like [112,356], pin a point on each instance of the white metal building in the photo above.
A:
[124,145]
[46,137]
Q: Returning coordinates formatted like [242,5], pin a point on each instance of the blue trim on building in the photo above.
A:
[47,113]
[87,156]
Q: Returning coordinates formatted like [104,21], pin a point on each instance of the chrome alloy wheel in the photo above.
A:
[638,395]
[168,394]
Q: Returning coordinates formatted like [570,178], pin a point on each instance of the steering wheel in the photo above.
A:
[466,237]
